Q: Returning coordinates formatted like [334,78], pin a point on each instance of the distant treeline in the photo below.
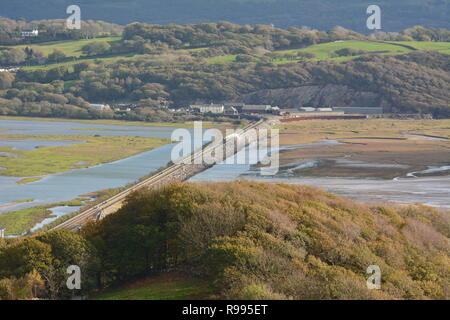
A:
[53,30]
[248,240]
[324,14]
[418,82]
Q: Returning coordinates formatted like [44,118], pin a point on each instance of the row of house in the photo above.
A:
[234,108]
[9,69]
[242,108]
[332,111]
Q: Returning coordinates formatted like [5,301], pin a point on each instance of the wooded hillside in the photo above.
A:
[249,241]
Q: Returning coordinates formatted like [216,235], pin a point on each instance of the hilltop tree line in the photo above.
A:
[324,14]
[248,240]
[53,30]
[216,39]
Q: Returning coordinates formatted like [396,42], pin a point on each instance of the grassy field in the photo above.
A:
[443,47]
[20,221]
[91,151]
[221,59]
[29,180]
[165,287]
[70,48]
[324,51]
[69,64]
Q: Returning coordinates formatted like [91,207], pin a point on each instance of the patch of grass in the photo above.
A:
[29,180]
[221,59]
[91,151]
[78,202]
[76,60]
[164,287]
[70,48]
[24,201]
[443,47]
[20,221]
[324,51]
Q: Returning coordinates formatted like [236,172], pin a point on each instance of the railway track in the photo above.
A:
[91,214]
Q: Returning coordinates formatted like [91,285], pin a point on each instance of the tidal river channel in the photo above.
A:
[56,188]
[70,185]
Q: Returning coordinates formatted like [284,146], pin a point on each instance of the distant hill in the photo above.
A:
[323,14]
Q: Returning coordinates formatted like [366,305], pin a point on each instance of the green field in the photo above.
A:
[20,221]
[443,47]
[165,287]
[90,151]
[228,58]
[70,48]
[69,64]
[324,51]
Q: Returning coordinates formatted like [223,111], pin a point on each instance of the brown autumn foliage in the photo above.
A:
[276,241]
[249,240]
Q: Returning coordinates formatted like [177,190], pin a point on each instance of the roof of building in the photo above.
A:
[363,110]
[256,107]
[212,105]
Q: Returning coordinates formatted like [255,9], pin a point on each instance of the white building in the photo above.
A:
[2,233]
[100,107]
[209,108]
[30,33]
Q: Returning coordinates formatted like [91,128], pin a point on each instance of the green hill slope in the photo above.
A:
[170,286]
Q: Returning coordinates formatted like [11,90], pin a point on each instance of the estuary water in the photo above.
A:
[432,191]
[70,185]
